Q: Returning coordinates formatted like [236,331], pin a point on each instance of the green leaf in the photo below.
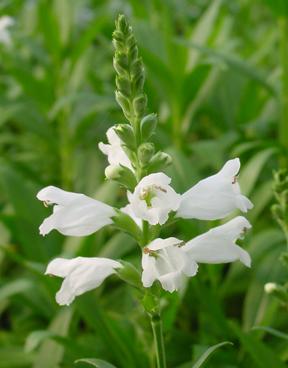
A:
[202,31]
[15,287]
[279,7]
[36,338]
[51,353]
[117,339]
[251,171]
[14,357]
[98,363]
[262,355]
[208,352]
[234,62]
[272,331]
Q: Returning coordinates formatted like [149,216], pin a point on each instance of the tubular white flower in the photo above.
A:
[216,196]
[114,151]
[153,199]
[80,274]
[5,23]
[218,245]
[73,213]
[170,261]
[165,260]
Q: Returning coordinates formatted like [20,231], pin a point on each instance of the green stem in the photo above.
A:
[156,324]
[283,124]
[145,233]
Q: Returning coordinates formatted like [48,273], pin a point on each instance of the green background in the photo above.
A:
[217,78]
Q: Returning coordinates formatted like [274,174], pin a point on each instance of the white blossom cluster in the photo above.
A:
[171,260]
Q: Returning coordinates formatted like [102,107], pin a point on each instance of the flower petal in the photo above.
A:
[54,195]
[160,243]
[172,281]
[74,214]
[81,275]
[153,199]
[218,244]
[216,196]
[149,273]
[114,150]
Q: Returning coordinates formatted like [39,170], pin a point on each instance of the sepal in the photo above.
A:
[150,302]
[123,103]
[122,175]
[125,223]
[123,85]
[145,153]
[139,105]
[148,125]
[126,134]
[130,274]
[159,161]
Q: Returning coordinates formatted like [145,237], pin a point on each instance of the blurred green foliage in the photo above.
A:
[213,77]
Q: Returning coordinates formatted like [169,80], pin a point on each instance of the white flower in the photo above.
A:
[216,196]
[170,261]
[5,23]
[128,210]
[218,245]
[114,151]
[153,199]
[80,274]
[73,213]
[165,260]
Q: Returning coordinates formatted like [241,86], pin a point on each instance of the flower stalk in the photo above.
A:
[130,96]
[156,323]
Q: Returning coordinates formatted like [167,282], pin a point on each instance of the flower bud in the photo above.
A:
[138,82]
[278,291]
[120,63]
[124,103]
[126,134]
[125,223]
[145,153]
[148,125]
[118,67]
[133,52]
[122,24]
[123,85]
[139,105]
[122,175]
[137,68]
[270,287]
[118,36]
[159,161]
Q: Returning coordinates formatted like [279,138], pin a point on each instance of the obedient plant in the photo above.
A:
[151,203]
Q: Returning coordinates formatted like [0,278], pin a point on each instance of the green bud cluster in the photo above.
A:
[129,69]
[135,134]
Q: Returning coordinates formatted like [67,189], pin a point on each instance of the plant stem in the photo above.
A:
[283,124]
[156,324]
[145,231]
